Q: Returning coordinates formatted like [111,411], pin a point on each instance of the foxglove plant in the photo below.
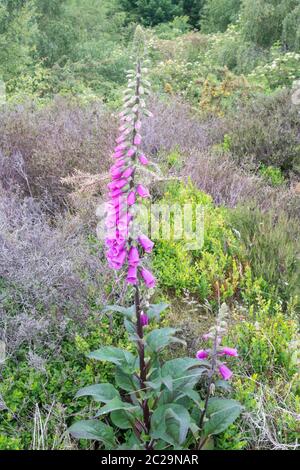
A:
[154,404]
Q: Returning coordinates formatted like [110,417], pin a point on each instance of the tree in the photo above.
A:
[57,34]
[218,14]
[262,21]
[152,12]
[291,30]
[17,37]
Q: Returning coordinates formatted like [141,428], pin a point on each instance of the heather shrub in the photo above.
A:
[266,130]
[175,126]
[214,172]
[50,274]
[47,143]
[271,244]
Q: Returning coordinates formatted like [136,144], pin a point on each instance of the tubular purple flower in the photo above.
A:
[142,191]
[144,319]
[133,256]
[131,152]
[148,277]
[131,198]
[143,159]
[146,243]
[132,275]
[225,372]
[228,352]
[202,354]
[137,139]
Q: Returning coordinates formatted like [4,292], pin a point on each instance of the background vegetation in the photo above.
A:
[226,127]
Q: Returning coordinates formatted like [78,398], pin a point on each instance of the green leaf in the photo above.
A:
[185,371]
[116,404]
[94,430]
[158,339]
[126,381]
[221,413]
[170,423]
[117,356]
[155,310]
[127,312]
[100,392]
[121,419]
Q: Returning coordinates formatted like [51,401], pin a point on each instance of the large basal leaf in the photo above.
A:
[127,312]
[171,423]
[116,404]
[122,419]
[117,356]
[94,430]
[184,371]
[126,381]
[100,392]
[155,310]
[221,412]
[158,339]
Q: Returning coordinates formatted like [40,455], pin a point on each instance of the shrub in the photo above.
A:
[291,30]
[48,143]
[48,379]
[261,21]
[266,130]
[270,241]
[266,340]
[218,14]
[203,270]
[272,175]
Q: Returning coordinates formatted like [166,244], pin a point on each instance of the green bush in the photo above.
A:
[262,21]
[218,14]
[271,245]
[218,265]
[266,340]
[272,175]
[265,129]
[51,380]
[291,30]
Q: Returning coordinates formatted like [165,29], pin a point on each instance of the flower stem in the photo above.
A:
[208,392]
[143,367]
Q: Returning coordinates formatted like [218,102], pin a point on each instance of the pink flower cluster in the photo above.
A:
[224,371]
[124,194]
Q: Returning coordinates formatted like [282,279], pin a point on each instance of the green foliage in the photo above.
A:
[152,12]
[271,246]
[272,175]
[217,263]
[218,14]
[291,30]
[168,389]
[17,33]
[281,70]
[262,21]
[267,340]
[54,381]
